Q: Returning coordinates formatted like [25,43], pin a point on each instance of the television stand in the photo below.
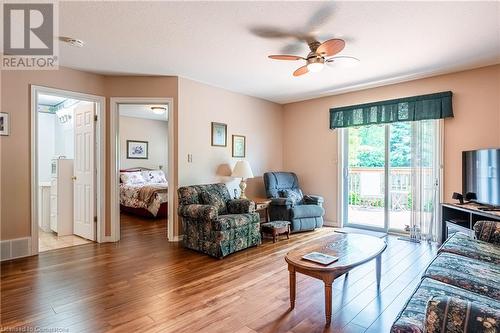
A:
[489,209]
[455,217]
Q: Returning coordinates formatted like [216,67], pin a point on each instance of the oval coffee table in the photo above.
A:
[351,249]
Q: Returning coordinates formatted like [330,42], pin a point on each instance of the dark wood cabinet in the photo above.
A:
[455,217]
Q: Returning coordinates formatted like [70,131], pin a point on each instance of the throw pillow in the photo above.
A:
[154,176]
[132,178]
[295,196]
[211,199]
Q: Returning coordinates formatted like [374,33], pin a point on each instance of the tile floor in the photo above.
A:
[50,241]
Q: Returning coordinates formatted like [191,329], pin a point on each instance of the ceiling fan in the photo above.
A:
[321,54]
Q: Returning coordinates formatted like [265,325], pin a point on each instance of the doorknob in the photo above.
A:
[74,177]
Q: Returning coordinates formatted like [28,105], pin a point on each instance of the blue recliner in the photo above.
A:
[305,212]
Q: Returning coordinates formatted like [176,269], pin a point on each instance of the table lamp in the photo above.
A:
[242,170]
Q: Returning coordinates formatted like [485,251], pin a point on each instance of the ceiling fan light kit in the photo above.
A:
[321,54]
[315,64]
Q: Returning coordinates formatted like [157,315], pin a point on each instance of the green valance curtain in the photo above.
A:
[432,106]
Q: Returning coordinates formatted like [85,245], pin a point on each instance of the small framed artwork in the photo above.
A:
[219,134]
[137,149]
[4,123]
[239,146]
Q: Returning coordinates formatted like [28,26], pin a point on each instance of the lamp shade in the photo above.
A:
[242,170]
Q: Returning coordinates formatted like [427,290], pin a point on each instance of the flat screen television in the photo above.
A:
[481,175]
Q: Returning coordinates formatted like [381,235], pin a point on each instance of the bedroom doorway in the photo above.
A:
[66,178]
[142,160]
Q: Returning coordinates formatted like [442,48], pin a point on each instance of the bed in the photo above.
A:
[144,192]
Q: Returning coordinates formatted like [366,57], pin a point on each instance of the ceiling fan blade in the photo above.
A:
[285,57]
[301,71]
[344,61]
[331,47]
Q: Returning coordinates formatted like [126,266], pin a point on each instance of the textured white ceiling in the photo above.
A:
[142,111]
[225,44]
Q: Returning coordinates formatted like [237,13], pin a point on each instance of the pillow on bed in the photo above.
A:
[154,176]
[132,178]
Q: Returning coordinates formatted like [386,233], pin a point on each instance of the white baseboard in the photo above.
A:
[330,223]
[177,238]
[15,248]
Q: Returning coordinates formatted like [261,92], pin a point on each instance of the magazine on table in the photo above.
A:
[320,258]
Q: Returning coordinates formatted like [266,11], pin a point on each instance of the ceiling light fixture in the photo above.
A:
[315,64]
[72,41]
[158,109]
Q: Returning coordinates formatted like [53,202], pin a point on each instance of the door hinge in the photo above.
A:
[95,219]
[95,117]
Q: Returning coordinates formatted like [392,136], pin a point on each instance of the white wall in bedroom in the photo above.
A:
[54,139]
[46,144]
[153,131]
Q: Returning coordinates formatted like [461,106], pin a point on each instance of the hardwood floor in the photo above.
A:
[146,284]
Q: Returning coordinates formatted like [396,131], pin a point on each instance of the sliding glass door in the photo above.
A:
[390,175]
[365,148]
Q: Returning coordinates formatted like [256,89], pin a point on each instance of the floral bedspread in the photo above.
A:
[130,197]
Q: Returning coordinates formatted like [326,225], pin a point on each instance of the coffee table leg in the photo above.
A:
[293,285]
[379,269]
[328,302]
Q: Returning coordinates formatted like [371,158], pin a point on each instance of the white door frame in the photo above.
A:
[115,160]
[100,160]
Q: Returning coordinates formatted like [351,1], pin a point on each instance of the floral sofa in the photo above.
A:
[215,224]
[460,289]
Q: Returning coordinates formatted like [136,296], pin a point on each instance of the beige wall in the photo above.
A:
[260,121]
[292,137]
[155,132]
[141,86]
[15,148]
[310,147]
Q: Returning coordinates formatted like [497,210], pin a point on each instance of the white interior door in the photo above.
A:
[84,188]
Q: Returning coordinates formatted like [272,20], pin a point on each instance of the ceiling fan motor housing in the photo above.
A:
[315,58]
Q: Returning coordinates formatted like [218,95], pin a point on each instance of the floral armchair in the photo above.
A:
[214,223]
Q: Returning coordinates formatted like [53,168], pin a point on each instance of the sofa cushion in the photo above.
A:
[191,194]
[202,212]
[412,318]
[488,231]
[214,199]
[461,244]
[446,314]
[476,276]
[226,222]
[303,211]
[240,206]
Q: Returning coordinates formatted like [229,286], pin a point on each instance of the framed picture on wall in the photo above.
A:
[4,123]
[219,135]
[239,146]
[137,149]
